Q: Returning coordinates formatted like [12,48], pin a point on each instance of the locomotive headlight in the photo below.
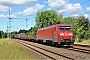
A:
[70,34]
[61,34]
[61,37]
[71,37]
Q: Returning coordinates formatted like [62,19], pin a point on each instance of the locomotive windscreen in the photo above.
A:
[22,34]
[64,27]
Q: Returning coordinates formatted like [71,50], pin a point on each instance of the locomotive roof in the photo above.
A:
[54,25]
[63,24]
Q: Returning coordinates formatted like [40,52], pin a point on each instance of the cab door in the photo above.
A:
[55,34]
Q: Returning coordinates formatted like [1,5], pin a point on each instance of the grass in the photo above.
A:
[84,42]
[10,51]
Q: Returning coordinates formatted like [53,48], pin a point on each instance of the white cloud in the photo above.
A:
[86,15]
[61,11]
[17,13]
[2,16]
[75,15]
[64,6]
[88,8]
[12,16]
[38,6]
[49,9]
[45,2]
[31,10]
[57,3]
[4,8]
[17,2]
[6,16]
[74,7]
[28,11]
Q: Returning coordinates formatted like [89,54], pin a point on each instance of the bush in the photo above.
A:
[79,40]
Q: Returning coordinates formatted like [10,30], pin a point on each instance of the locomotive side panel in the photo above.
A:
[45,33]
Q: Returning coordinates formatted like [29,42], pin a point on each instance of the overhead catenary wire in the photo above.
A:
[68,9]
[60,6]
[26,19]
[85,2]
[45,7]
[42,8]
[39,10]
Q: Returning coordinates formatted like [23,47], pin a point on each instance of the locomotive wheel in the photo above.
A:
[55,44]
[41,41]
[50,43]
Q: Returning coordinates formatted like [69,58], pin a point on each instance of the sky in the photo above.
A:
[22,10]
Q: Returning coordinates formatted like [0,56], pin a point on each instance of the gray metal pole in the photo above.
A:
[26,22]
[7,31]
[9,24]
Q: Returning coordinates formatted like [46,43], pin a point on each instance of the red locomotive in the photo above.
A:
[56,34]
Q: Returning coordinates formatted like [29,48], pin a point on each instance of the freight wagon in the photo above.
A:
[17,36]
[23,36]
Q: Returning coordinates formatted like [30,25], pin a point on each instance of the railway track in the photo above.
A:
[47,53]
[79,50]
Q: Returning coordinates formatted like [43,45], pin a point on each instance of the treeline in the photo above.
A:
[10,35]
[2,34]
[7,35]
[80,24]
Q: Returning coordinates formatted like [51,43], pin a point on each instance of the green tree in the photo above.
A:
[23,31]
[12,33]
[2,34]
[46,18]
[32,31]
[83,23]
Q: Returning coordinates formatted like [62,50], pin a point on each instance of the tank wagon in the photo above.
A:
[61,34]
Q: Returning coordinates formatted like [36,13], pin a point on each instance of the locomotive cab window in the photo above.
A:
[65,28]
[22,34]
[55,29]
